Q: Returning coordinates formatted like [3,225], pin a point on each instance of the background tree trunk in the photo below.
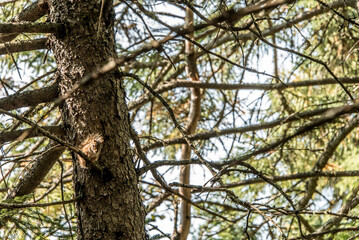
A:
[110,205]
[191,125]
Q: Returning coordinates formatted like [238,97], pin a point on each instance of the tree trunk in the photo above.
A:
[110,206]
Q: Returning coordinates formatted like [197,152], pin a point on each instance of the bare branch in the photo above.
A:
[325,118]
[28,205]
[29,132]
[29,27]
[311,59]
[218,133]
[157,201]
[241,86]
[33,12]
[22,46]
[296,176]
[30,98]
[45,133]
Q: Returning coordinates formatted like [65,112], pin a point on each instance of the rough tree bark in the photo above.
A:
[110,206]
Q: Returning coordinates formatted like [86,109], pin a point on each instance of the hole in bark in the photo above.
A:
[119,235]
[79,188]
[107,176]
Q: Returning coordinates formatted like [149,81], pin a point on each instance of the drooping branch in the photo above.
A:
[34,176]
[250,36]
[325,118]
[225,17]
[33,12]
[322,161]
[350,203]
[44,132]
[245,37]
[230,16]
